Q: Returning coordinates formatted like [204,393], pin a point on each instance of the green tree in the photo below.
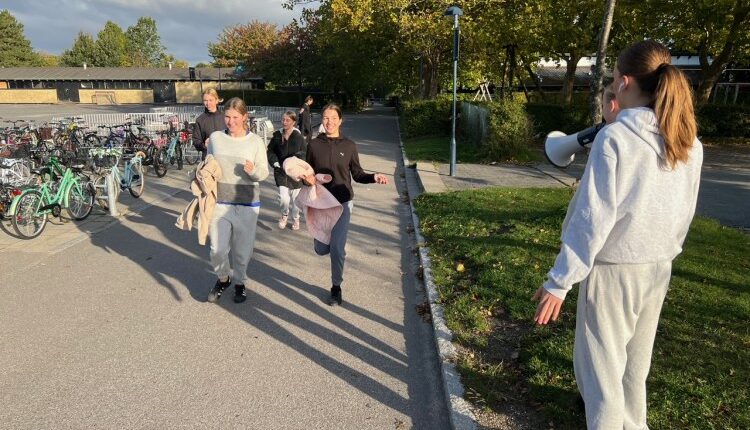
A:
[111,45]
[144,47]
[248,44]
[48,60]
[716,30]
[82,51]
[15,48]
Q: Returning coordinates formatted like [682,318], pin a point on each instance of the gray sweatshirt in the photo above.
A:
[630,206]
[236,186]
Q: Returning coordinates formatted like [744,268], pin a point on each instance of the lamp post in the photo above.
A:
[455,12]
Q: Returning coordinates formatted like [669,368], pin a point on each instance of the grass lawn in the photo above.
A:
[437,149]
[491,249]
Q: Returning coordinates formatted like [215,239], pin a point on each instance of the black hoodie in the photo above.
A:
[205,124]
[339,158]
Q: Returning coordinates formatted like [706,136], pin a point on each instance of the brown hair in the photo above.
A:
[237,104]
[333,107]
[212,92]
[649,63]
[308,99]
[291,114]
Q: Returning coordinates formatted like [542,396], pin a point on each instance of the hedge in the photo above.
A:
[425,117]
[715,120]
[550,117]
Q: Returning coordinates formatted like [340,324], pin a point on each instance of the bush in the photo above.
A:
[425,117]
[551,117]
[510,131]
[716,120]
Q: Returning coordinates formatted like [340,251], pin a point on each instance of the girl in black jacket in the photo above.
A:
[209,121]
[337,156]
[285,143]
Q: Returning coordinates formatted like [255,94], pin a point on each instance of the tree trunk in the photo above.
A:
[511,50]
[601,54]
[570,77]
[710,73]
[534,77]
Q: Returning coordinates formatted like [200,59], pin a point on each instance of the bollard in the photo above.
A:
[112,193]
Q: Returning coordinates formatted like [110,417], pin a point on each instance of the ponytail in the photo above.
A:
[673,105]
[649,63]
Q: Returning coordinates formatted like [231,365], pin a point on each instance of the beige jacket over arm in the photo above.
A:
[204,188]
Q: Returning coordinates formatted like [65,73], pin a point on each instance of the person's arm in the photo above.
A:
[273,158]
[198,137]
[592,217]
[358,174]
[259,168]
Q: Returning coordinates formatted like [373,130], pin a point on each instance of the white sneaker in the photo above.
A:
[282,221]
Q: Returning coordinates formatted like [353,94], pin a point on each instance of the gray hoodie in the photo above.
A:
[630,207]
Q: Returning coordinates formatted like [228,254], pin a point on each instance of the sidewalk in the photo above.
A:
[724,191]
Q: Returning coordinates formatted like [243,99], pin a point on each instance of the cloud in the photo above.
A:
[185,26]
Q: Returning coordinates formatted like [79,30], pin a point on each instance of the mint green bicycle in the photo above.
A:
[132,178]
[67,189]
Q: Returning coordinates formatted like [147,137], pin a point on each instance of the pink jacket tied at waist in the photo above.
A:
[321,208]
[204,188]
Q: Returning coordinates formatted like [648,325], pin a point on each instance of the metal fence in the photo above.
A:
[474,122]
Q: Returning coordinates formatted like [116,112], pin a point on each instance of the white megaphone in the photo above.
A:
[560,148]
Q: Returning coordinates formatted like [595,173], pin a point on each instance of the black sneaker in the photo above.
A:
[336,298]
[239,293]
[219,287]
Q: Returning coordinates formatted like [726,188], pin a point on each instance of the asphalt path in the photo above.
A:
[108,327]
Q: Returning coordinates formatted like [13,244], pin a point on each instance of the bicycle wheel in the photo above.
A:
[160,162]
[191,155]
[27,221]
[137,180]
[80,199]
[178,156]
[92,141]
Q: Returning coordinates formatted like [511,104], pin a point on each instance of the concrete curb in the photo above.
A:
[461,415]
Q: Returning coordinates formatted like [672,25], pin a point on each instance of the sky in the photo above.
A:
[185,26]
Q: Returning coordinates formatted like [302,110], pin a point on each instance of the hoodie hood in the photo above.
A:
[642,122]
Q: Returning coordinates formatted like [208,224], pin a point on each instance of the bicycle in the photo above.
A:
[131,178]
[71,191]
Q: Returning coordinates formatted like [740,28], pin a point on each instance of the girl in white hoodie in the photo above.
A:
[629,219]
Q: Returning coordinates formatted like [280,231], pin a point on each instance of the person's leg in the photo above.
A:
[220,233]
[244,222]
[653,289]
[338,245]
[283,205]
[295,210]
[604,324]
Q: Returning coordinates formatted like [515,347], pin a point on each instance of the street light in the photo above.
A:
[455,12]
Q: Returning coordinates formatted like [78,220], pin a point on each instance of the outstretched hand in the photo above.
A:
[548,308]
[381,179]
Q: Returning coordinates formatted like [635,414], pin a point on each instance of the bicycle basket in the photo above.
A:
[105,160]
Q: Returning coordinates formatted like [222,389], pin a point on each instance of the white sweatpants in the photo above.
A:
[618,311]
[287,197]
[232,230]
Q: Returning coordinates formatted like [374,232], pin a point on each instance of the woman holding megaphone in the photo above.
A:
[629,219]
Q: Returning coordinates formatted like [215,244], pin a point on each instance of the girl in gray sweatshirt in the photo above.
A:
[626,224]
[242,158]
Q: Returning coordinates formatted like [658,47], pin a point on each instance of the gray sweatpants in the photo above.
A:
[287,201]
[337,247]
[618,311]
[232,230]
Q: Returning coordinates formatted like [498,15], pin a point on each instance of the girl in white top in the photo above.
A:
[629,219]
[242,158]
